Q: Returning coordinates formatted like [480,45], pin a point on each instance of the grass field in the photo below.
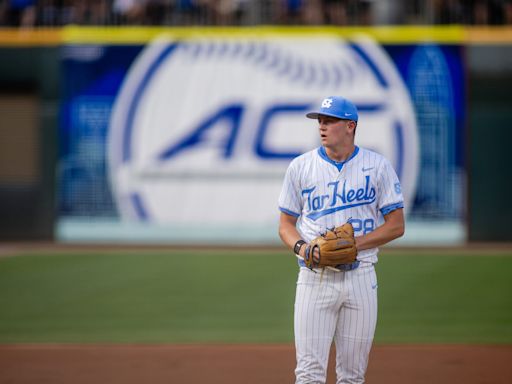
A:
[180,296]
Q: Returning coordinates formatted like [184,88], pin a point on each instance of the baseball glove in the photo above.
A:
[336,246]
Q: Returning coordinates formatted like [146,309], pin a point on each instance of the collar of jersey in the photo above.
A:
[337,164]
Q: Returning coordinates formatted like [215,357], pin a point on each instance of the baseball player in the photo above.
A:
[336,183]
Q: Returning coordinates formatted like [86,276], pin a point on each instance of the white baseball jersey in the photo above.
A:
[323,193]
[337,305]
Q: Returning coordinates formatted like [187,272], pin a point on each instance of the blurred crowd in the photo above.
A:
[33,13]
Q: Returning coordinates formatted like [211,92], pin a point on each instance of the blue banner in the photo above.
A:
[176,132]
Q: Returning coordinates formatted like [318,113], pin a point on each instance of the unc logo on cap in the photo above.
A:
[327,103]
[174,160]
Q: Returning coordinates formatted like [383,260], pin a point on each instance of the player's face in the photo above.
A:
[335,132]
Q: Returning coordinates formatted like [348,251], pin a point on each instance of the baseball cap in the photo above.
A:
[336,106]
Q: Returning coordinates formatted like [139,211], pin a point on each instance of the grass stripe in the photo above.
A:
[233,296]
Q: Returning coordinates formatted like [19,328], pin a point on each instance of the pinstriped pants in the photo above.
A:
[340,307]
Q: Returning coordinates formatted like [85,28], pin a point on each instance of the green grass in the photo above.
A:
[445,298]
[215,296]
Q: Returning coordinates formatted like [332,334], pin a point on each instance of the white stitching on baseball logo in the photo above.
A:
[283,64]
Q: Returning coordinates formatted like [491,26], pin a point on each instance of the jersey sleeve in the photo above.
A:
[290,198]
[390,197]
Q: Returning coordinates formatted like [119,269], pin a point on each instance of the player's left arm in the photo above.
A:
[393,228]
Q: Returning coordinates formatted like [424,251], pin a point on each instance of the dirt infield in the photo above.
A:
[247,364]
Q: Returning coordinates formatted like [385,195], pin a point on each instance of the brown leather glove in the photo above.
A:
[336,246]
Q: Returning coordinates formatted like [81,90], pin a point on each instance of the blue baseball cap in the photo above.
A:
[336,106]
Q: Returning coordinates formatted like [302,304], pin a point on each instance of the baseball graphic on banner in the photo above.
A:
[208,127]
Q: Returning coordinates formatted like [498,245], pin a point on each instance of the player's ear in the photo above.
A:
[352,125]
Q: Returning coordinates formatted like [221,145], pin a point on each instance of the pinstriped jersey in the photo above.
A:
[323,193]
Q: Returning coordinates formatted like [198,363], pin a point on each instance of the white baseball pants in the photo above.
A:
[340,307]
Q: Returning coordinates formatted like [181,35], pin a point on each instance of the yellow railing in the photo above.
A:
[141,35]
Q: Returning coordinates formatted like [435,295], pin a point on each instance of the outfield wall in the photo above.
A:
[161,131]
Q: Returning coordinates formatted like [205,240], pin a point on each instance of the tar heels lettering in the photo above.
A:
[338,198]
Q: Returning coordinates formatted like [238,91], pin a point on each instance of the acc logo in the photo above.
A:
[203,130]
